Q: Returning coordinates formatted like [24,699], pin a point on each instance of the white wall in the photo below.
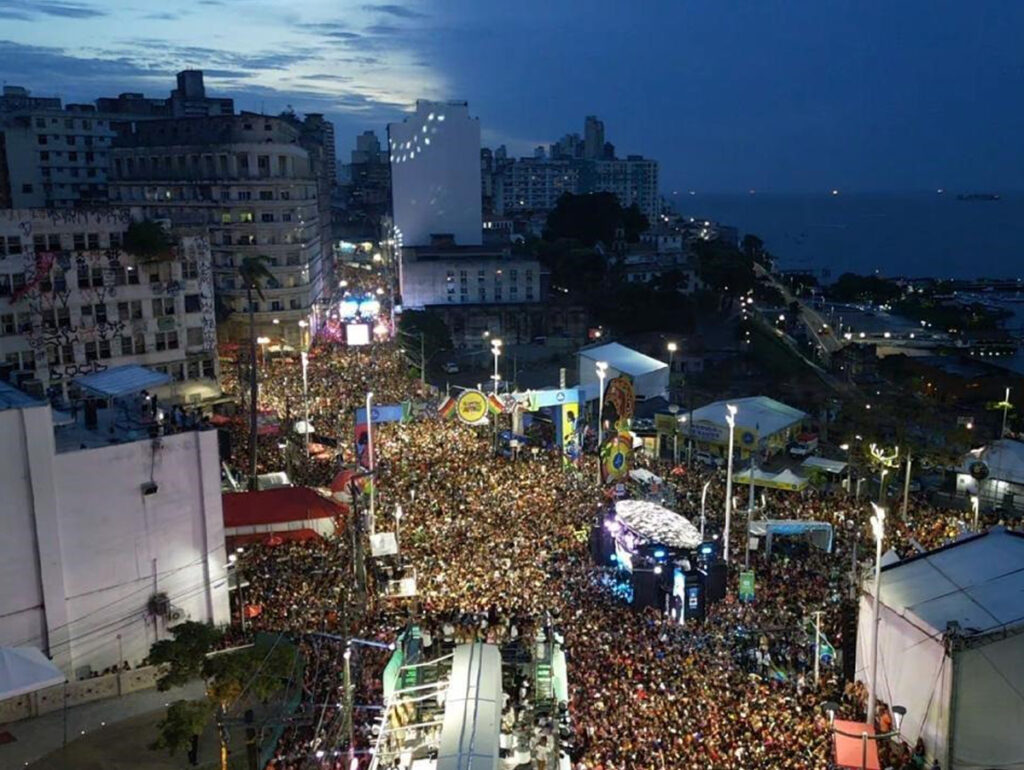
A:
[100,540]
[913,671]
[427,283]
[435,174]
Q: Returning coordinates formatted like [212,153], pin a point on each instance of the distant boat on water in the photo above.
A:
[978,197]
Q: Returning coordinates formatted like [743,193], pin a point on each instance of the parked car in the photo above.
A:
[708,459]
[450,367]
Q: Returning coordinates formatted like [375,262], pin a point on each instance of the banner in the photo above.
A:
[447,407]
[747,586]
[383,413]
[620,395]
[472,407]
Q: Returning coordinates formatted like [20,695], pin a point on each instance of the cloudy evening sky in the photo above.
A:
[770,94]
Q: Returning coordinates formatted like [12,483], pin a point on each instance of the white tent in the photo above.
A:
[648,375]
[950,647]
[644,476]
[818,532]
[26,669]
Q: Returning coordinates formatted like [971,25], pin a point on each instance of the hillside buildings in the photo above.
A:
[73,301]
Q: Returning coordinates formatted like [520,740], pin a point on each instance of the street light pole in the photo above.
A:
[906,485]
[496,350]
[369,462]
[730,419]
[305,398]
[703,503]
[601,368]
[878,529]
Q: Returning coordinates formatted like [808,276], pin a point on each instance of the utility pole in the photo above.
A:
[906,486]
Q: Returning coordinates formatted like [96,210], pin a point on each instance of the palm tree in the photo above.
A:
[254,272]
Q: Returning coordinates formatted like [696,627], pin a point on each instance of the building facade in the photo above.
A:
[248,179]
[73,302]
[85,548]
[55,158]
[533,184]
[435,174]
[467,277]
[634,180]
[188,100]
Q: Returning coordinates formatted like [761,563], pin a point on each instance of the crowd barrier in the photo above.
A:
[72,694]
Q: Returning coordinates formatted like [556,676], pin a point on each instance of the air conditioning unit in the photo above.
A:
[175,616]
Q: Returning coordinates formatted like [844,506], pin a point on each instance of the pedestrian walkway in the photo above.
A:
[109,734]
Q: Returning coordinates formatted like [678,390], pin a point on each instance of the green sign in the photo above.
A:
[747,586]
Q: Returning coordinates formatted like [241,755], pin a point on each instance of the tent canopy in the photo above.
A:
[784,480]
[766,415]
[819,532]
[1004,460]
[26,669]
[122,381]
[829,466]
[644,476]
[626,360]
[657,524]
[977,582]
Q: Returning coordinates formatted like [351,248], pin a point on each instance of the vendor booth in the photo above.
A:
[762,424]
[785,480]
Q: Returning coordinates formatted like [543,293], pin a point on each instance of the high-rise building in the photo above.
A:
[250,181]
[634,180]
[74,301]
[593,138]
[435,174]
[532,184]
[369,177]
[54,157]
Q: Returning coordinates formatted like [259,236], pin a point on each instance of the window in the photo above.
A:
[266,195]
[126,346]
[163,306]
[70,140]
[154,277]
[92,241]
[78,239]
[286,217]
[245,216]
[189,269]
[26,188]
[244,195]
[72,156]
[208,368]
[91,351]
[166,340]
[115,240]
[5,285]
[13,245]
[104,348]
[44,155]
[42,139]
[97,277]
[192,303]
[133,275]
[100,313]
[265,217]
[285,195]
[7,325]
[53,242]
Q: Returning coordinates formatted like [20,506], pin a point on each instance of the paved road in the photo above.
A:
[811,318]
[106,734]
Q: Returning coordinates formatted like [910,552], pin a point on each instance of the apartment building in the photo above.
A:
[249,181]
[74,301]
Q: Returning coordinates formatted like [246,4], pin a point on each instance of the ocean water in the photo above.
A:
[910,235]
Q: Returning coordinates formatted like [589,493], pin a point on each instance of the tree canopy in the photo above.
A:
[593,217]
[148,241]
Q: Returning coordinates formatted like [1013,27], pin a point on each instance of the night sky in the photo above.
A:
[775,95]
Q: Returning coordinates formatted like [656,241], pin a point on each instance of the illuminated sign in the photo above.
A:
[471,407]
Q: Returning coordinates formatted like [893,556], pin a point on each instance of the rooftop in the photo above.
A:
[626,360]
[765,414]
[977,582]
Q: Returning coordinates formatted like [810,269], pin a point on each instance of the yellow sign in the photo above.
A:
[471,407]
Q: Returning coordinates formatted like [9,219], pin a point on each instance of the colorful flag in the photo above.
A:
[494,404]
[447,407]
[827,651]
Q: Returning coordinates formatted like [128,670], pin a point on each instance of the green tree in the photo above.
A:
[148,241]
[593,217]
[725,268]
[184,719]
[254,273]
[185,653]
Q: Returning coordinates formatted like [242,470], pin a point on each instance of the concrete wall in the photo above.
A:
[435,174]
[84,549]
[76,693]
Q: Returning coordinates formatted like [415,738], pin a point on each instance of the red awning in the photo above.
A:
[850,751]
[277,506]
[270,538]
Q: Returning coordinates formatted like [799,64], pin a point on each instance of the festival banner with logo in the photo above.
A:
[472,407]
[616,458]
[747,586]
[619,394]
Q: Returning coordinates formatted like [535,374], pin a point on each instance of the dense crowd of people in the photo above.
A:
[498,544]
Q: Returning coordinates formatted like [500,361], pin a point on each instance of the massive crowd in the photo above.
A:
[498,544]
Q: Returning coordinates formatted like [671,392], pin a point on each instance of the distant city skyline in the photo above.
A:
[795,97]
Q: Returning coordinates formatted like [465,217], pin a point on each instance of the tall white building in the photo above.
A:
[435,174]
[73,301]
[532,184]
[91,535]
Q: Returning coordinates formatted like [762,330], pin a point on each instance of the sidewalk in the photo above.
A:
[112,733]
